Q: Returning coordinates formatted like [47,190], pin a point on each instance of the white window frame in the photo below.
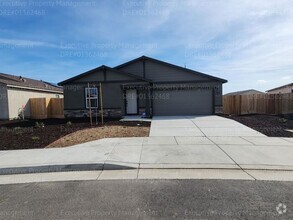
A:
[91,98]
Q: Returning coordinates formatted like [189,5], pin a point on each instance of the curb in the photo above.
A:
[124,166]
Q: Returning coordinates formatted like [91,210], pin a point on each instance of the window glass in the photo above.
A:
[91,96]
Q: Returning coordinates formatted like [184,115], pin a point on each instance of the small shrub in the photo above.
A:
[283,120]
[69,124]
[3,129]
[39,124]
[18,130]
[35,138]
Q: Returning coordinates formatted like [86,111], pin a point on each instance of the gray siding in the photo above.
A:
[161,72]
[164,73]
[114,76]
[74,92]
[112,95]
[142,96]
[4,111]
[134,68]
[74,96]
[96,76]
[99,76]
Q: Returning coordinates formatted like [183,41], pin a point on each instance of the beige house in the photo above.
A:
[15,92]
[282,89]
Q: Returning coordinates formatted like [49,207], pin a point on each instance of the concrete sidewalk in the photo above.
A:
[155,152]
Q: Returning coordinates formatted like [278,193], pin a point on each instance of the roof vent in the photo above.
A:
[22,79]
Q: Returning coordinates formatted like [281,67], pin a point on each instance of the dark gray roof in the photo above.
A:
[172,65]
[245,92]
[13,80]
[101,68]
[280,87]
[117,69]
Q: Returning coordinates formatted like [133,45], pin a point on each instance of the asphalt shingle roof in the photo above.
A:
[28,83]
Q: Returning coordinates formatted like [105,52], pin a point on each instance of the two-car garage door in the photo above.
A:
[182,102]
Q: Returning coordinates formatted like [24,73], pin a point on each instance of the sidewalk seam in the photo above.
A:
[139,160]
[247,140]
[286,140]
[176,140]
[232,159]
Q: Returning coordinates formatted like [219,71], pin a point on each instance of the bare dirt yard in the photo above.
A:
[270,125]
[64,132]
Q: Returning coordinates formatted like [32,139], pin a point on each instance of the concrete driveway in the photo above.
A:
[205,142]
[199,126]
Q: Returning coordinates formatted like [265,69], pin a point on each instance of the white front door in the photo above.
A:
[131,102]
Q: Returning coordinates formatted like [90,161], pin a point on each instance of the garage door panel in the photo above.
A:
[183,102]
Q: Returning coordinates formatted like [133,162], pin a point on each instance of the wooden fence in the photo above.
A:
[42,108]
[274,104]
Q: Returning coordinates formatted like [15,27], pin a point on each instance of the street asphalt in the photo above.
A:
[148,199]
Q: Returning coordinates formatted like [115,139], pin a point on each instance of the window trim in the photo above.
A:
[91,98]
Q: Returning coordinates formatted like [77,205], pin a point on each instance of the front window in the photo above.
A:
[91,97]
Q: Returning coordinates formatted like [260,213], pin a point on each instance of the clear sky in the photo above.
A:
[247,42]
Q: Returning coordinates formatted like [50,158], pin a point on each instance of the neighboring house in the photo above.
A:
[282,89]
[143,85]
[15,92]
[245,92]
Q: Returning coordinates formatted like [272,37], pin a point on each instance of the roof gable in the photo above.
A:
[245,92]
[86,76]
[280,87]
[165,64]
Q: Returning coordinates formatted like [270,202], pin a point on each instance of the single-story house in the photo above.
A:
[142,86]
[282,89]
[245,92]
[15,92]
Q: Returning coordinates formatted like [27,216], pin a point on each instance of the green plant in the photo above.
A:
[3,129]
[283,120]
[69,124]
[18,130]
[39,124]
[35,138]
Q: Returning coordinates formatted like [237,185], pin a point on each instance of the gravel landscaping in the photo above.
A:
[270,125]
[63,132]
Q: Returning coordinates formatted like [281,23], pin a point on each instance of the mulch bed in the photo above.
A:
[272,126]
[26,135]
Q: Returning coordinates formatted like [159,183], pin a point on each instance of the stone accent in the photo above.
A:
[110,113]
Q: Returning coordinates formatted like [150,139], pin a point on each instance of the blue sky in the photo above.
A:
[249,43]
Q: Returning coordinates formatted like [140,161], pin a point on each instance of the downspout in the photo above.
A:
[144,72]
